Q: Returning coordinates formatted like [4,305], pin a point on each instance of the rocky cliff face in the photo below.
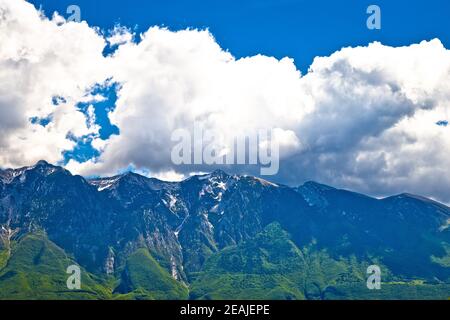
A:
[102,222]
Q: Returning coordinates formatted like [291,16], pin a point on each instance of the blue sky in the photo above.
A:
[301,29]
[371,117]
[298,29]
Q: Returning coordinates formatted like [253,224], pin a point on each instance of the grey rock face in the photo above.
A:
[102,221]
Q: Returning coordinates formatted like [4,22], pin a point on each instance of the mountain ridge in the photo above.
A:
[102,222]
[95,180]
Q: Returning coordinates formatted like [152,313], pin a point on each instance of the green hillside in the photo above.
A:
[37,270]
[271,266]
[144,278]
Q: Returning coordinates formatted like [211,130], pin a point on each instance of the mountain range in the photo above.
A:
[214,236]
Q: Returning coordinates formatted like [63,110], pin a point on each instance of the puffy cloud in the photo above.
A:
[373,127]
[41,60]
[363,118]
[172,79]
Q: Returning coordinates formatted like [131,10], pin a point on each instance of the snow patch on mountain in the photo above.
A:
[9,175]
[105,183]
[266,183]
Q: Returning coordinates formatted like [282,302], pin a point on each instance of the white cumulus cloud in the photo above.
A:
[363,118]
[40,60]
